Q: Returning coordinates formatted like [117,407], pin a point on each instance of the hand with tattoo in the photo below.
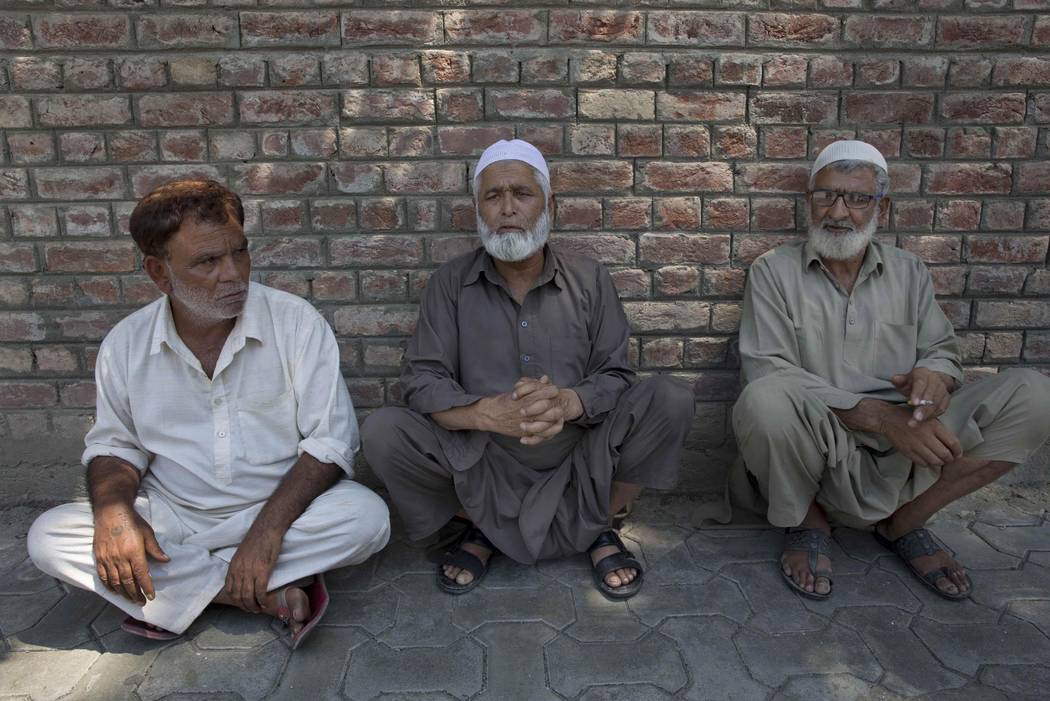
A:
[123,541]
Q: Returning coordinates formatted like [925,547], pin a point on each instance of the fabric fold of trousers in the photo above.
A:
[343,526]
[794,449]
[533,502]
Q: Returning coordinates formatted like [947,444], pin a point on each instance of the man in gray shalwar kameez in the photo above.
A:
[522,417]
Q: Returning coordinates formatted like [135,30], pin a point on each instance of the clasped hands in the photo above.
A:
[914,429]
[534,411]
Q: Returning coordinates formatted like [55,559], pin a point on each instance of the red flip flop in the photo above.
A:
[317,594]
[146,630]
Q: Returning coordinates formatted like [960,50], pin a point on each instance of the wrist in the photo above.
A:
[572,406]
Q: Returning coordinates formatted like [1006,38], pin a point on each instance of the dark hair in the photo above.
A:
[159,214]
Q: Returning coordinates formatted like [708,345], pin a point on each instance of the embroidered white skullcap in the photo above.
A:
[513,150]
[849,151]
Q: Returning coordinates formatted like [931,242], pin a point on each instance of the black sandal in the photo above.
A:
[814,542]
[920,542]
[616,561]
[456,556]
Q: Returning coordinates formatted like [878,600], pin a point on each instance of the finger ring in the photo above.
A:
[925,402]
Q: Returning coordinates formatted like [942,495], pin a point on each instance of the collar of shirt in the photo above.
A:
[872,260]
[246,326]
[483,263]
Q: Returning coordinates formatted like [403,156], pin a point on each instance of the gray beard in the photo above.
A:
[200,305]
[514,246]
[841,246]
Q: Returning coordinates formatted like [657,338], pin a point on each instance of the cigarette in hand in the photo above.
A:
[923,402]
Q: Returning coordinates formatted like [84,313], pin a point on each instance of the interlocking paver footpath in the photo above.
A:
[713,621]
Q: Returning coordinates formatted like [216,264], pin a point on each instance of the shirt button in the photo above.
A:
[524,323]
[222,434]
[852,322]
[526,358]
[218,401]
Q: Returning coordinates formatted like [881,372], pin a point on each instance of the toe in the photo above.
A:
[464,578]
[946,585]
[823,585]
[613,580]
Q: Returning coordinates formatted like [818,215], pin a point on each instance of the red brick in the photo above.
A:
[460,105]
[984,108]
[184,31]
[888,107]
[389,105]
[294,70]
[288,107]
[591,26]
[739,142]
[1033,177]
[530,104]
[726,213]
[912,215]
[633,213]
[775,178]
[1021,71]
[924,142]
[445,67]
[1003,347]
[437,178]
[89,73]
[201,109]
[495,67]
[1015,142]
[382,214]
[784,70]
[362,142]
[639,140]
[982,32]
[662,353]
[1006,249]
[577,213]
[594,67]
[17,258]
[33,221]
[315,28]
[91,257]
[87,220]
[701,28]
[411,142]
[286,252]
[83,110]
[878,73]
[282,216]
[27,395]
[314,143]
[591,176]
[740,69]
[605,248]
[193,71]
[397,27]
[676,280]
[684,248]
[395,70]
[690,70]
[31,73]
[784,29]
[79,183]
[969,72]
[958,215]
[15,112]
[700,106]
[82,31]
[275,144]
[15,33]
[613,105]
[830,72]
[642,69]
[592,139]
[21,327]
[1013,314]
[784,142]
[1041,108]
[55,359]
[934,249]
[687,141]
[14,185]
[1041,31]
[679,213]
[145,179]
[969,143]
[31,147]
[1037,346]
[793,108]
[1005,215]
[279,179]
[698,176]
[494,26]
[889,32]
[948,280]
[668,317]
[336,285]
[141,73]
[772,214]
[376,320]
[184,145]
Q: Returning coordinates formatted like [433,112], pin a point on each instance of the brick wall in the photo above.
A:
[678,134]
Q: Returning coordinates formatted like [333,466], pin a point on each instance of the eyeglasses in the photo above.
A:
[853,200]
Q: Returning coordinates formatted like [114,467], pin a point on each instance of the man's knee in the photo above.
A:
[1031,389]
[368,526]
[670,398]
[765,407]
[381,435]
[46,540]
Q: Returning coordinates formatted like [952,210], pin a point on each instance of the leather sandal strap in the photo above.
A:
[624,559]
[916,543]
[465,561]
[812,541]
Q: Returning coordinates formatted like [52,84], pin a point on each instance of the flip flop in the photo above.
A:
[317,594]
[458,557]
[146,630]
[814,542]
[624,559]
[920,542]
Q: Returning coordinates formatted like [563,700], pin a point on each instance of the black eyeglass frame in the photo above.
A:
[839,193]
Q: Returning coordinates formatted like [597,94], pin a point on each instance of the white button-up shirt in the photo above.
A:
[220,444]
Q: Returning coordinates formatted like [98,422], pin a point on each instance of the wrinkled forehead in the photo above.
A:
[508,174]
[834,177]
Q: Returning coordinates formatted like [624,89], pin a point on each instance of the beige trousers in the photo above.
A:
[794,449]
[342,526]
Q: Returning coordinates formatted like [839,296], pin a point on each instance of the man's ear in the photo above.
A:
[551,204]
[158,273]
[884,206]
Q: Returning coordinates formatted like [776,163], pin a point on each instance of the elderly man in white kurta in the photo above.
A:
[219,462]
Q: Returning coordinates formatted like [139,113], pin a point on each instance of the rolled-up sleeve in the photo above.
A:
[768,343]
[429,373]
[325,413]
[608,372]
[113,433]
[937,345]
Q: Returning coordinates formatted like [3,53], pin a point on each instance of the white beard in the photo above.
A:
[203,306]
[841,246]
[512,247]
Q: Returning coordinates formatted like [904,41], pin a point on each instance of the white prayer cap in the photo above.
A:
[513,150]
[849,151]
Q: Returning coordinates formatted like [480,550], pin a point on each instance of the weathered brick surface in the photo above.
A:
[678,134]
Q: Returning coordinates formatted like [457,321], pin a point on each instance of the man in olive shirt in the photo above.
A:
[854,409]
[522,417]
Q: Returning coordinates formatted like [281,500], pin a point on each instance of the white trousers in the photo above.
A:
[343,526]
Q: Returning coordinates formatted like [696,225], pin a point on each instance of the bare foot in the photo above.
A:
[462,576]
[954,584]
[796,566]
[616,578]
[298,607]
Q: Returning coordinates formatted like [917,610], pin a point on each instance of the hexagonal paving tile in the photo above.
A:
[997,588]
[425,615]
[970,549]
[630,692]
[66,625]
[373,610]
[227,628]
[877,588]
[184,668]
[966,647]
[46,674]
[1022,682]
[514,652]
[375,668]
[717,596]
[574,666]
[552,604]
[777,608]
[716,548]
[316,669]
[772,659]
[935,607]
[22,611]
[715,667]
[841,687]
[116,673]
[1035,612]
[1016,540]
[601,620]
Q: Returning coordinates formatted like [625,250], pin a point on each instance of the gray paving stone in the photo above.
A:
[667,556]
[514,652]
[116,673]
[629,692]
[777,608]
[354,578]
[573,666]
[504,573]
[184,668]
[877,588]
[1040,558]
[718,596]
[772,659]
[66,625]
[46,674]
[424,614]
[715,549]
[910,668]
[435,696]
[935,607]
[601,620]
[572,571]
[859,545]
[399,558]
[227,628]
[663,510]
[552,604]
[1022,682]
[1034,611]
[25,578]
[372,610]
[1008,515]
[24,611]
[1016,540]
[974,692]
[375,668]
[997,589]
[841,687]
[715,667]
[315,671]
[966,647]
[107,621]
[970,549]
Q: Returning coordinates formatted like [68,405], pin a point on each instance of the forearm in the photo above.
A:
[868,415]
[111,482]
[307,480]
[471,417]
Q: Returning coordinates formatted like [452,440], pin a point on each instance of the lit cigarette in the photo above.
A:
[924,402]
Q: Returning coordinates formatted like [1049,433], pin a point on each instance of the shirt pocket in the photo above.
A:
[269,426]
[567,364]
[895,351]
[810,341]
